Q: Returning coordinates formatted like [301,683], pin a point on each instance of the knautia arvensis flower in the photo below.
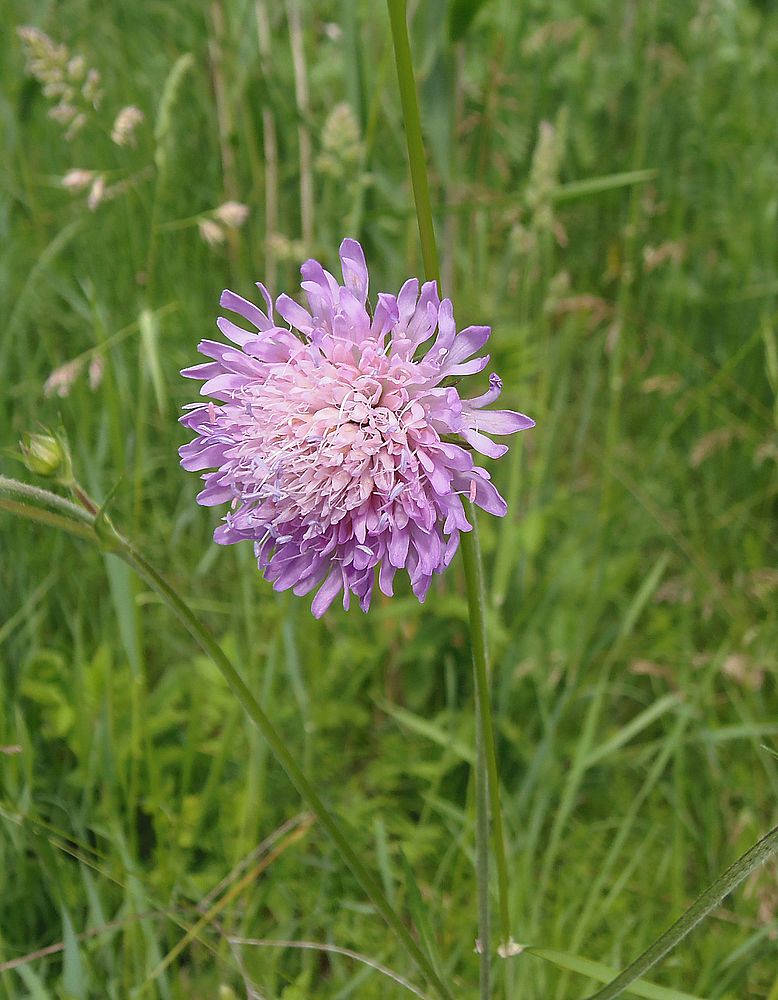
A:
[335,438]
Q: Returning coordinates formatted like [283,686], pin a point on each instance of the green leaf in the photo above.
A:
[384,859]
[633,728]
[121,585]
[600,972]
[419,915]
[148,323]
[73,974]
[33,982]
[598,185]
[429,730]
[460,16]
[697,912]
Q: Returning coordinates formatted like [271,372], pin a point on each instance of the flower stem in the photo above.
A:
[482,863]
[487,762]
[19,498]
[413,137]
[474,583]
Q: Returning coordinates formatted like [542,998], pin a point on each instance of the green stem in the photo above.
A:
[469,540]
[482,863]
[46,517]
[38,498]
[413,137]
[123,548]
[474,583]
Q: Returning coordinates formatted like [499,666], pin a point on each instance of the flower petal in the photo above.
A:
[467,368]
[501,421]
[484,444]
[204,371]
[235,333]
[327,593]
[485,495]
[294,314]
[406,301]
[421,325]
[355,277]
[492,393]
[237,304]
[332,444]
[468,342]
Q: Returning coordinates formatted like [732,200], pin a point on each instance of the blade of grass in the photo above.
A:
[297,42]
[429,730]
[332,949]
[597,185]
[230,896]
[599,971]
[635,726]
[419,912]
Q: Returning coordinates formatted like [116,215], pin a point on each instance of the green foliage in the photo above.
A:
[460,16]
[604,181]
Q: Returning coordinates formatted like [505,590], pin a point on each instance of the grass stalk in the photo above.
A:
[270,148]
[217,46]
[302,99]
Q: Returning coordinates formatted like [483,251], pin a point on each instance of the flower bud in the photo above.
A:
[46,455]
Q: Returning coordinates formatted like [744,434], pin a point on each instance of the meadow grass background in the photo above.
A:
[632,587]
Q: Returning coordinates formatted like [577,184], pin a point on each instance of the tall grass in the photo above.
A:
[605,175]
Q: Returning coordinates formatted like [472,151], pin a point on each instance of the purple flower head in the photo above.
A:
[335,441]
